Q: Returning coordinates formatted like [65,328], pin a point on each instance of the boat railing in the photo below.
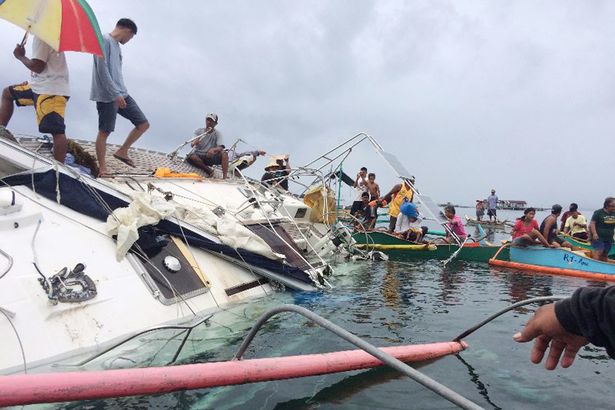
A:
[343,150]
[9,259]
[387,359]
[186,329]
[257,198]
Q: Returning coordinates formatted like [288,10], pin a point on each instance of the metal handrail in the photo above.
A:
[10,259]
[187,329]
[387,359]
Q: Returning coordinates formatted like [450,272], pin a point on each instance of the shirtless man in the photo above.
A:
[549,230]
[372,187]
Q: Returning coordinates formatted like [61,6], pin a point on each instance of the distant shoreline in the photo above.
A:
[538,208]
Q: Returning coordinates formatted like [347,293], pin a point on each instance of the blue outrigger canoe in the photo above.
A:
[556,261]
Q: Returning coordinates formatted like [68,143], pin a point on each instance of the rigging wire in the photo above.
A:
[21,347]
[474,328]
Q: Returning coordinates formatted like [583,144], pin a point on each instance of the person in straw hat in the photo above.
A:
[276,172]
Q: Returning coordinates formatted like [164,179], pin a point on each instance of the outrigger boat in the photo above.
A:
[400,249]
[488,224]
[555,261]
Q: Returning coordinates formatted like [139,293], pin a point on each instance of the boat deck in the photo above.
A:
[146,161]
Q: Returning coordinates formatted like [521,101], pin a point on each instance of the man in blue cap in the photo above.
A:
[408,224]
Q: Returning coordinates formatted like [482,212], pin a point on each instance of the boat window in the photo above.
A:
[171,276]
[300,213]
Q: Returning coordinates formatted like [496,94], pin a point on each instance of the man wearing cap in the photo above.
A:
[111,95]
[492,205]
[209,148]
[408,224]
[276,173]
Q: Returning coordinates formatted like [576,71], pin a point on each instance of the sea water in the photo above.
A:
[394,303]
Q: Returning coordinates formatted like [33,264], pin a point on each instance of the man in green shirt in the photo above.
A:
[601,228]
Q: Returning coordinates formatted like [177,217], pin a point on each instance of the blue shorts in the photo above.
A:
[602,246]
[108,111]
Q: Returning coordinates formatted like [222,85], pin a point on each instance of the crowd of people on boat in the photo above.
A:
[403,215]
[599,232]
[406,222]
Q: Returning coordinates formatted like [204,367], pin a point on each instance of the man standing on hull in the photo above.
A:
[111,95]
[47,91]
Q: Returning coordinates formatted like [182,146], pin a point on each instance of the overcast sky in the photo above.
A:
[470,95]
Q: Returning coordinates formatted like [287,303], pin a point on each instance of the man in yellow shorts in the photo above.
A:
[47,91]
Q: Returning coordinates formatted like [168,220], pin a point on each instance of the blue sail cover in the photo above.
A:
[85,199]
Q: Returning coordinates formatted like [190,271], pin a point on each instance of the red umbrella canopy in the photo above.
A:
[66,25]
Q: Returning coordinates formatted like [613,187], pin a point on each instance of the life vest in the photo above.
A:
[378,202]
[399,198]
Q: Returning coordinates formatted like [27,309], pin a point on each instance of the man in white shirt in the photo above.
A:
[576,225]
[492,205]
[48,91]
[360,184]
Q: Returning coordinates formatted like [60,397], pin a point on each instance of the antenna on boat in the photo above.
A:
[174,153]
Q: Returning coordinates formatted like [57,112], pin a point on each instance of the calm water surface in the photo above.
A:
[392,303]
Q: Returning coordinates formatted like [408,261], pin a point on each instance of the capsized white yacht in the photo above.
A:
[182,247]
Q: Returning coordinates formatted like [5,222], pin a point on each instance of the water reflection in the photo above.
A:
[391,287]
[451,280]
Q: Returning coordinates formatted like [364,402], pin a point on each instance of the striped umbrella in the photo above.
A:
[66,25]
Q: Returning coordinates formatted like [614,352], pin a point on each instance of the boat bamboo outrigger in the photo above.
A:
[555,261]
[488,224]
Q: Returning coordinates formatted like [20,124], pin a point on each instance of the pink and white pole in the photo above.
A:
[86,385]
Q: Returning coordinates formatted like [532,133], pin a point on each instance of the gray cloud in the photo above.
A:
[469,95]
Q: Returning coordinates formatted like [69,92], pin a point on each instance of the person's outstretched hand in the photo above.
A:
[549,334]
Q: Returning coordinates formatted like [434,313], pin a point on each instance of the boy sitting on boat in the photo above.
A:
[576,225]
[455,225]
[365,218]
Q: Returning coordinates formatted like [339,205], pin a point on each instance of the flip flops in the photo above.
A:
[126,161]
